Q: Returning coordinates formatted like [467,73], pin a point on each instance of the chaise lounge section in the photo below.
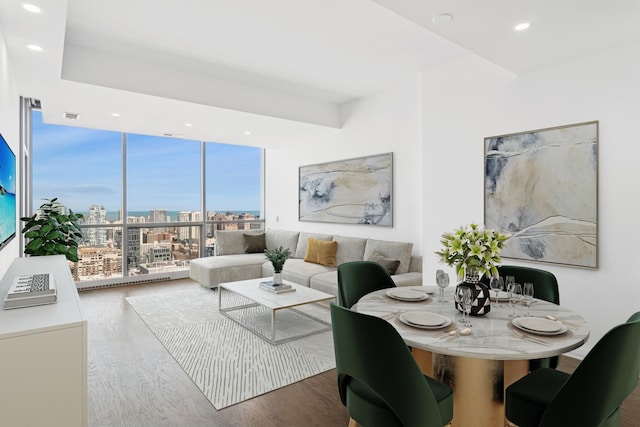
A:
[240,256]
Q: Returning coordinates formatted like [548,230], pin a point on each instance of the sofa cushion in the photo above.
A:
[349,249]
[325,282]
[321,252]
[393,250]
[231,242]
[301,249]
[301,272]
[389,264]
[284,238]
[211,271]
[254,243]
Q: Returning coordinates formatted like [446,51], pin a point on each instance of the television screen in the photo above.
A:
[7,193]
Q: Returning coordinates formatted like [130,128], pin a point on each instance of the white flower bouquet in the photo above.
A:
[472,246]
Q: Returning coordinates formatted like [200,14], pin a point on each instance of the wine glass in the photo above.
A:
[442,280]
[527,291]
[514,291]
[508,280]
[497,284]
[458,297]
[467,299]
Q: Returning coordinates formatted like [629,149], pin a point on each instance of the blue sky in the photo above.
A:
[83,166]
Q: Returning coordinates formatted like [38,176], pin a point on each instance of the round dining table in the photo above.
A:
[494,354]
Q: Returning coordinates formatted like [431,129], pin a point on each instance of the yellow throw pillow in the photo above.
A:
[321,252]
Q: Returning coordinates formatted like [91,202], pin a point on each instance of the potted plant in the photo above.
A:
[473,250]
[52,232]
[278,257]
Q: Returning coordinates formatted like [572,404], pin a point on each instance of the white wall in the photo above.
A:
[9,127]
[469,99]
[381,123]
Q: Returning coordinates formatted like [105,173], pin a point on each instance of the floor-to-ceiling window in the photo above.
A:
[150,204]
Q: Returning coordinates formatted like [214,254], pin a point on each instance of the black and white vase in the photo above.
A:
[480,297]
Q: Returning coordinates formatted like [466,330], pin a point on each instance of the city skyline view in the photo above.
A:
[83,167]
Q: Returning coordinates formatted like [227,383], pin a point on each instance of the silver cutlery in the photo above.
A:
[529,337]
[444,333]
[567,324]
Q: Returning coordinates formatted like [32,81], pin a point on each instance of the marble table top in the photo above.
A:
[493,335]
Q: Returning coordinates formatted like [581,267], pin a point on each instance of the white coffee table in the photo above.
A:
[260,300]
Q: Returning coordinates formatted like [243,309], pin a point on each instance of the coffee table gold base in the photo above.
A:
[478,385]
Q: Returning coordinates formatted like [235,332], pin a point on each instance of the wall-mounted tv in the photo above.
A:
[8,218]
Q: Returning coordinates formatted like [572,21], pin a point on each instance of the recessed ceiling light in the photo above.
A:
[115,114]
[246,132]
[522,26]
[34,47]
[31,8]
[188,125]
[443,18]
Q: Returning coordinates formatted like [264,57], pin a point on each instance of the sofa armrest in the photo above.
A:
[415,265]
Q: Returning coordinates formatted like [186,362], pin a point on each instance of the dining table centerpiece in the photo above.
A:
[473,251]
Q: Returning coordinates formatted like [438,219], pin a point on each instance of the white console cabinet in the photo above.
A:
[43,353]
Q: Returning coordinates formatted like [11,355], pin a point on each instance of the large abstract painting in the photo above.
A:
[542,187]
[352,191]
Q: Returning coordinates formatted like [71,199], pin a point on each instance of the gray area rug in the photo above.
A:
[228,363]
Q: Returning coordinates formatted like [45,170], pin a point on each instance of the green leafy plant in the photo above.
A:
[278,257]
[52,232]
[472,246]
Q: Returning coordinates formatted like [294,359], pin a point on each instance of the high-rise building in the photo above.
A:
[159,215]
[189,233]
[133,239]
[96,237]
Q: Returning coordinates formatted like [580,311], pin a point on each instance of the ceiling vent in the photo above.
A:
[71,116]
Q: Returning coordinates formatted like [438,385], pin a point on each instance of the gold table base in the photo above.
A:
[478,385]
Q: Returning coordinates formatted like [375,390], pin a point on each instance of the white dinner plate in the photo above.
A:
[424,320]
[537,325]
[407,294]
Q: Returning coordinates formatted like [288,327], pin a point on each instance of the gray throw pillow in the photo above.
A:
[389,264]
[254,243]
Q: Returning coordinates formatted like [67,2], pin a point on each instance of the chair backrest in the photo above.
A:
[602,381]
[545,284]
[369,350]
[358,278]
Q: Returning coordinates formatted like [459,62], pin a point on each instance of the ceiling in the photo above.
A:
[259,72]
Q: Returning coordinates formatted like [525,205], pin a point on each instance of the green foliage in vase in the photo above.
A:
[52,232]
[472,246]
[278,257]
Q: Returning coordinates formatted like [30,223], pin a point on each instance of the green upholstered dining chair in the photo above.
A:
[358,278]
[378,379]
[545,287]
[591,396]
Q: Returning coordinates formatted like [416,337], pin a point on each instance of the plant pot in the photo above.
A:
[480,293]
[277,278]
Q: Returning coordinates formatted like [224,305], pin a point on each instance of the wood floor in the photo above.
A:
[134,382]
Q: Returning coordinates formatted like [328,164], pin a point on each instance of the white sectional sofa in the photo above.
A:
[232,262]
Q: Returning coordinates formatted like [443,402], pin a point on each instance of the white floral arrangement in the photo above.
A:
[472,246]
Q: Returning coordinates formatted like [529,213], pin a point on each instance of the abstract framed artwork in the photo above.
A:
[351,191]
[541,186]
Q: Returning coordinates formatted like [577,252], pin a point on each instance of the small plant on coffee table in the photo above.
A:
[278,257]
